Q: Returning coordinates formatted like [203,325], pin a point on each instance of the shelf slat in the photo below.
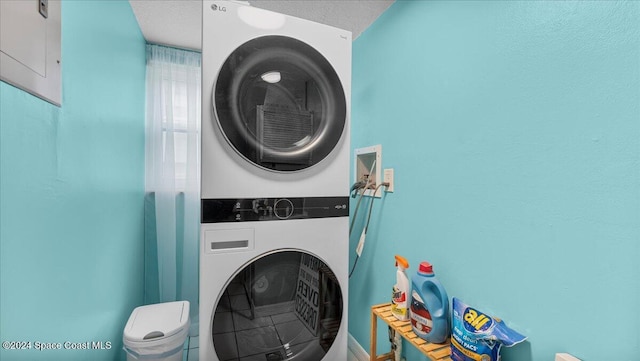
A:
[434,351]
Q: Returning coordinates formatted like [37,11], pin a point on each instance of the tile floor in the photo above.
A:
[192,343]
[191,349]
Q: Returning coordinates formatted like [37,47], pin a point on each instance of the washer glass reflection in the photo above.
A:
[283,306]
[280,103]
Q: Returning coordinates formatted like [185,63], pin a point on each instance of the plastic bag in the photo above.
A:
[477,336]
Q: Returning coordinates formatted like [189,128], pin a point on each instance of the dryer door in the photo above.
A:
[280,103]
[285,305]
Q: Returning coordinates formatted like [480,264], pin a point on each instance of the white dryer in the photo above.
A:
[269,292]
[275,186]
[275,105]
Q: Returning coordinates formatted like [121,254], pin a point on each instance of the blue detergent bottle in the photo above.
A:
[429,306]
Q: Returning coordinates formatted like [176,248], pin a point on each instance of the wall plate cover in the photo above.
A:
[388,178]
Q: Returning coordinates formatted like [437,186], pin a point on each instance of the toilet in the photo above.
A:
[157,332]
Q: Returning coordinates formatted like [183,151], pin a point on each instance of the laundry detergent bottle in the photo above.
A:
[429,306]
[400,293]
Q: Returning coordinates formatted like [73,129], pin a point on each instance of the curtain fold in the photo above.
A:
[173,176]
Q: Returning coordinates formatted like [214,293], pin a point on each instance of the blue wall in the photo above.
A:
[72,190]
[514,131]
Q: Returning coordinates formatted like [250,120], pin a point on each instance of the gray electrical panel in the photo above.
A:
[30,52]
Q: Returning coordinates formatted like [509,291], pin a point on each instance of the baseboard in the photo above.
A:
[357,350]
[563,357]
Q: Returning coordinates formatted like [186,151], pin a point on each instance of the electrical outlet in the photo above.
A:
[388,178]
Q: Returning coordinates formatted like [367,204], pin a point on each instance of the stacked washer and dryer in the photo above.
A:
[275,186]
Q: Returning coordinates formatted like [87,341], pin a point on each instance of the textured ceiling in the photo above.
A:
[177,23]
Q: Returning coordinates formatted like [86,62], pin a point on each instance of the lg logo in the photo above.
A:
[215,7]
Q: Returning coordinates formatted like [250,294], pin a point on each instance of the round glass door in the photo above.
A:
[280,103]
[281,306]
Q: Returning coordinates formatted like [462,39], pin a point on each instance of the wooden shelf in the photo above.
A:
[434,351]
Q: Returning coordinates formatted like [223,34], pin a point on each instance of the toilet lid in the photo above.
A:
[157,321]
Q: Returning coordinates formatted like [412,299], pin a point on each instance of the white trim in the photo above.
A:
[357,350]
[560,357]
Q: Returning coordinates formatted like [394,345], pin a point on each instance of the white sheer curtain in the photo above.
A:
[173,172]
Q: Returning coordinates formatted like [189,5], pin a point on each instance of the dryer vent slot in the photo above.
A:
[283,129]
[216,246]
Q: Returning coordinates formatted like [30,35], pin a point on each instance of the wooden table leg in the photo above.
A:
[374,337]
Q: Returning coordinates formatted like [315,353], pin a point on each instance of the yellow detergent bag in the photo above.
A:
[477,336]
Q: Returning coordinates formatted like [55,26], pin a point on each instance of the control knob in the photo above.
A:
[283,208]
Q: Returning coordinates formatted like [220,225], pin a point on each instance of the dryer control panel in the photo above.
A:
[272,209]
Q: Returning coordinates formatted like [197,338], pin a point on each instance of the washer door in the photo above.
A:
[280,103]
[281,306]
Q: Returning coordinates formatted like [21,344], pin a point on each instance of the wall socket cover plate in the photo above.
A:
[388,178]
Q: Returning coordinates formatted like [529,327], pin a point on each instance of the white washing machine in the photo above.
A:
[275,105]
[274,292]
[275,186]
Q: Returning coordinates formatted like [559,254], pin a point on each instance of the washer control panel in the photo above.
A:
[272,209]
